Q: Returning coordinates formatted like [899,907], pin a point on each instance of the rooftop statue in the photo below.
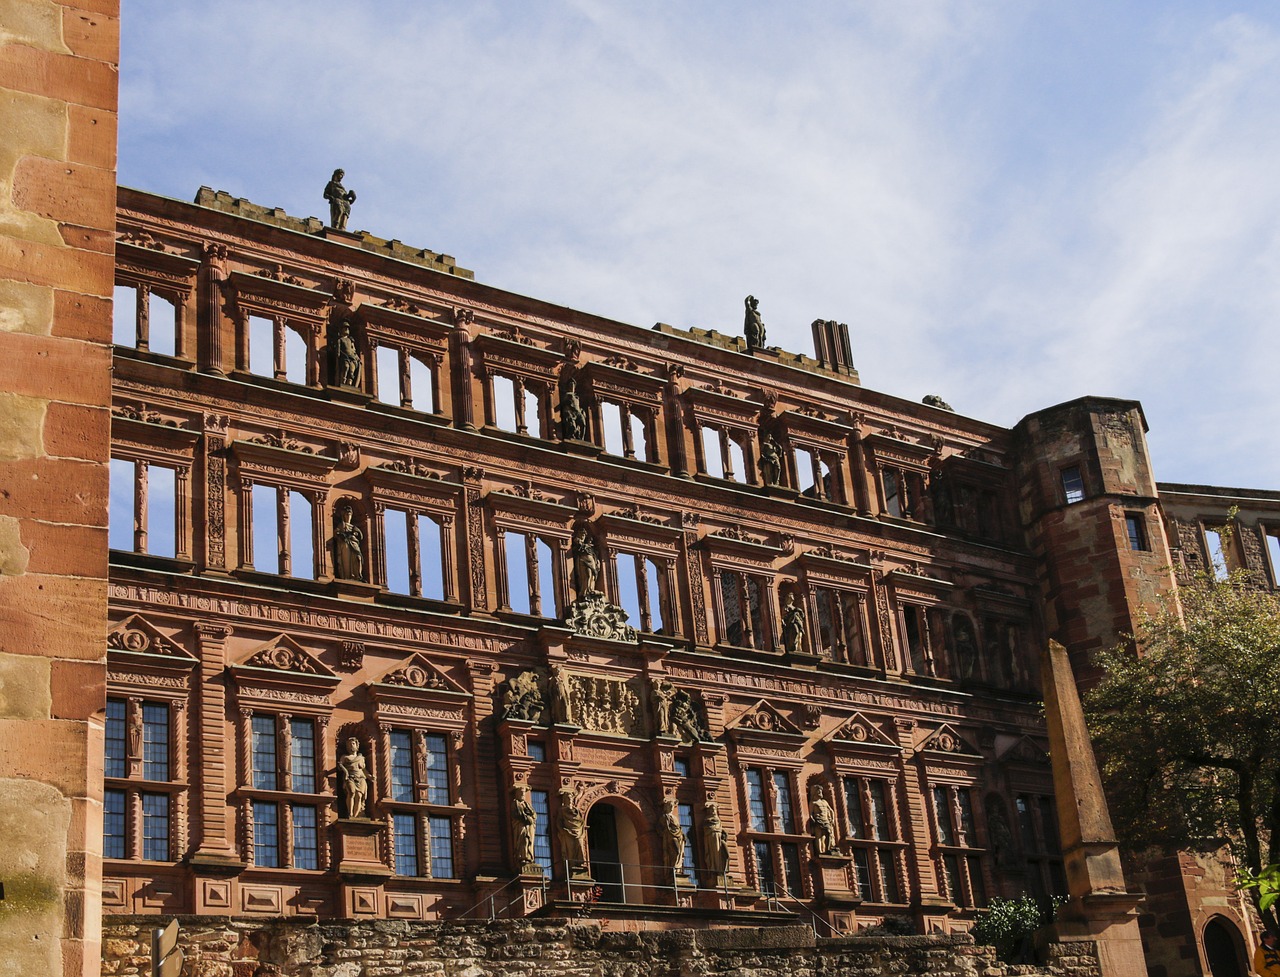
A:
[340,200]
[753,327]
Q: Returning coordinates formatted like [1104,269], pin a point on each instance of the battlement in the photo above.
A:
[798,361]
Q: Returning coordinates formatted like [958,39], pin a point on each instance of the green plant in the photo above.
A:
[1267,882]
[1008,925]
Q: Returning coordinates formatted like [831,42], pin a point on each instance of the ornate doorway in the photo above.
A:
[606,860]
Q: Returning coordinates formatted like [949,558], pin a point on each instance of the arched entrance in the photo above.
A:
[1223,948]
[613,853]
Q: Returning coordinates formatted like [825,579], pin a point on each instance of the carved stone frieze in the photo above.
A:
[595,617]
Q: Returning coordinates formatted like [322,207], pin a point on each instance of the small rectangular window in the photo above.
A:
[1272,534]
[862,873]
[540,800]
[117,762]
[791,869]
[401,766]
[122,522]
[1026,823]
[1136,527]
[681,766]
[266,834]
[155,827]
[942,815]
[406,841]
[302,756]
[889,876]
[955,885]
[879,811]
[764,867]
[113,824]
[685,812]
[441,829]
[974,864]
[853,803]
[305,839]
[1072,484]
[263,752]
[537,751]
[966,816]
[755,800]
[155,741]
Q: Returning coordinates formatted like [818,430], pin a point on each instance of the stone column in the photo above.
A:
[215,273]
[211,819]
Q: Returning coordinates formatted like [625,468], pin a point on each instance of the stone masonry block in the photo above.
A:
[79,689]
[21,426]
[46,263]
[71,621]
[70,193]
[34,23]
[14,555]
[24,687]
[78,432]
[33,821]
[26,308]
[55,490]
[91,34]
[49,751]
[85,317]
[87,238]
[55,369]
[91,136]
[78,551]
[58,76]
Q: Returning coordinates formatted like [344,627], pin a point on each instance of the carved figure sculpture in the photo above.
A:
[663,693]
[822,821]
[522,698]
[966,648]
[573,419]
[673,841]
[933,400]
[586,565]
[340,200]
[684,718]
[561,688]
[346,360]
[715,840]
[572,829]
[753,327]
[793,625]
[998,833]
[348,547]
[525,820]
[770,462]
[135,731]
[355,779]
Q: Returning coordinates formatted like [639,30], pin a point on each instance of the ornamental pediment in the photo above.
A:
[859,731]
[273,290]
[283,654]
[511,351]
[418,673]
[408,323]
[946,740]
[137,636]
[763,717]
[1026,750]
[619,379]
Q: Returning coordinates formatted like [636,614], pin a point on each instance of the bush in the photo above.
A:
[1008,925]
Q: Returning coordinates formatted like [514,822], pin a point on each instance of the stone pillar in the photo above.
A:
[58,88]
[1100,910]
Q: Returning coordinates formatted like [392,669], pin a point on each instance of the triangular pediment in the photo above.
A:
[1025,750]
[283,654]
[861,730]
[764,718]
[136,635]
[419,673]
[945,739]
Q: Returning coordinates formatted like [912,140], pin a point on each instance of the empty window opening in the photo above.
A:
[414,552]
[531,587]
[162,493]
[121,526]
[639,591]
[144,508]
[743,604]
[840,630]
[1072,485]
[639,438]
[916,635]
[422,387]
[611,420]
[282,532]
[737,469]
[1272,534]
[893,503]
[387,365]
[1217,553]
[162,325]
[712,460]
[395,548]
[504,403]
[295,359]
[262,346]
[302,556]
[804,471]
[124,316]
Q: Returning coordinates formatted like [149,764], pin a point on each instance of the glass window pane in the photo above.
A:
[116,761]
[263,752]
[681,766]
[155,741]
[162,494]
[951,865]
[124,316]
[732,602]
[889,876]
[541,828]
[401,766]
[441,846]
[113,824]
[764,867]
[537,751]
[155,827]
[755,800]
[302,755]
[976,881]
[853,803]
[1072,485]
[1026,823]
[782,791]
[437,770]
[690,863]
[791,869]
[120,524]
[406,842]
[966,816]
[306,850]
[1049,822]
[879,810]
[862,874]
[266,834]
[942,816]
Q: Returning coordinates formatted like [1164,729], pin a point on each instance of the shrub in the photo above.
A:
[1008,925]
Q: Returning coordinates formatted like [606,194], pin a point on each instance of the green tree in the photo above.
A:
[1188,730]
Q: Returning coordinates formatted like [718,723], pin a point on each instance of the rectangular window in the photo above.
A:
[441,829]
[263,753]
[437,760]
[306,849]
[965,803]
[401,765]
[913,619]
[117,762]
[537,751]
[121,526]
[540,800]
[113,824]
[862,874]
[155,827]
[530,575]
[791,869]
[302,755]
[681,766]
[1026,823]
[1049,824]
[406,842]
[731,599]
[942,816]
[764,867]
[782,790]
[1272,535]
[1136,527]
[889,876]
[853,802]
[892,498]
[686,825]
[1072,485]
[155,741]
[124,325]
[755,800]
[955,885]
[879,810]
[1217,553]
[266,834]
[974,865]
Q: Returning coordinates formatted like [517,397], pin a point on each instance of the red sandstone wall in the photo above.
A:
[58,83]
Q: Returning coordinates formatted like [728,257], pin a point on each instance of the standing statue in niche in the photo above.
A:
[561,688]
[966,650]
[793,625]
[663,693]
[346,359]
[573,419]
[340,200]
[715,840]
[525,820]
[348,547]
[355,779]
[572,829]
[753,327]
[673,840]
[770,462]
[822,821]
[586,565]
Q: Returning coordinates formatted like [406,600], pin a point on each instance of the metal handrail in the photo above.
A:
[493,914]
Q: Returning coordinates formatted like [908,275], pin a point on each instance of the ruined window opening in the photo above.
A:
[1217,553]
[530,579]
[162,320]
[722,455]
[611,417]
[641,591]
[144,508]
[741,598]
[840,631]
[404,379]
[262,346]
[916,635]
[278,349]
[287,517]
[1272,536]
[387,367]
[1072,485]
[413,547]
[124,321]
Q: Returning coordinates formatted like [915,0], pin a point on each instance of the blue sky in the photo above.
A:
[1012,204]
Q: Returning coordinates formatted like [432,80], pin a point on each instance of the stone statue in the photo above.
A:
[793,625]
[663,693]
[573,419]
[340,200]
[346,361]
[673,841]
[753,327]
[348,547]
[522,698]
[966,649]
[525,820]
[135,732]
[715,840]
[684,718]
[999,836]
[822,821]
[572,829]
[561,688]
[770,463]
[355,779]
[933,400]
[586,565]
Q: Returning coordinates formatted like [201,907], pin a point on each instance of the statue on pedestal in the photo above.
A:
[586,565]
[715,840]
[355,779]
[573,419]
[822,821]
[753,327]
[793,625]
[524,819]
[572,829]
[673,841]
[340,200]
[348,547]
[561,688]
[346,360]
[770,462]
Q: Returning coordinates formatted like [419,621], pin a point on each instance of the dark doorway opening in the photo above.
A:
[1222,949]
[602,845]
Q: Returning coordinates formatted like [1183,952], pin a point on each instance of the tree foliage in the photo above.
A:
[1188,730]
[1009,925]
